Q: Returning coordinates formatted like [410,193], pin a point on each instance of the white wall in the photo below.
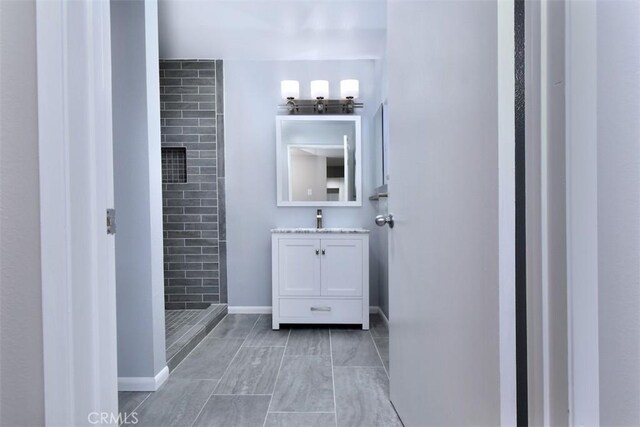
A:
[603,207]
[252,92]
[618,106]
[138,191]
[21,368]
[272,30]
[308,172]
[582,212]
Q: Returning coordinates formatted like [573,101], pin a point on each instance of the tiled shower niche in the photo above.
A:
[174,165]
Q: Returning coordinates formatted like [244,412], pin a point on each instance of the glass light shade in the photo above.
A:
[349,88]
[320,89]
[290,89]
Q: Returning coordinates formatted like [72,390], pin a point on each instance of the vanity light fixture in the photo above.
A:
[349,90]
[320,89]
[320,92]
[290,90]
[320,102]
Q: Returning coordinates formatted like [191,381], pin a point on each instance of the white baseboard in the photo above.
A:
[247,309]
[143,383]
[384,316]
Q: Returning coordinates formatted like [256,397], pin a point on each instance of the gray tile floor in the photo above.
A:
[244,374]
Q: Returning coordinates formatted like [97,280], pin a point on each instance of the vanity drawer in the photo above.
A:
[320,310]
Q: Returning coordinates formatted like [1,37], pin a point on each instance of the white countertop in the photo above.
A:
[340,230]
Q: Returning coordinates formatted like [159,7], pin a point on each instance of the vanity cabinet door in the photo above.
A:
[299,267]
[342,267]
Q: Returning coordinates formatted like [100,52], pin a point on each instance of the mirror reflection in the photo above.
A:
[318,173]
[318,161]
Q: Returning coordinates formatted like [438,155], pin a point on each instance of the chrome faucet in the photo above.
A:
[319,219]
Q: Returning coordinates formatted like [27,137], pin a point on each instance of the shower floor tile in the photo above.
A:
[184,329]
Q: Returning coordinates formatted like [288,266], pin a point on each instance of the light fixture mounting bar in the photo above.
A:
[321,106]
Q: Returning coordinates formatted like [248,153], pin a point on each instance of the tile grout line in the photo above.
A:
[192,350]
[333,381]
[277,377]
[385,369]
[379,356]
[242,394]
[205,403]
[178,320]
[225,371]
[139,404]
[301,412]
[265,346]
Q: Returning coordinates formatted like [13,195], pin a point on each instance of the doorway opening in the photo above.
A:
[193,206]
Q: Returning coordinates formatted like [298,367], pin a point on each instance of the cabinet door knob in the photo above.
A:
[323,252]
[317,252]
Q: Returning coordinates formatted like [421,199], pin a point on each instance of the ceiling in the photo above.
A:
[272,29]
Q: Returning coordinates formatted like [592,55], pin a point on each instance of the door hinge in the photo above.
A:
[111,221]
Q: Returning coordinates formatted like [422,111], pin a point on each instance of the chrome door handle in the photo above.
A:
[320,308]
[381,220]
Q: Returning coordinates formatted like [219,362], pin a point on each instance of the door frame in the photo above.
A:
[547,313]
[76,188]
[507,211]
[580,26]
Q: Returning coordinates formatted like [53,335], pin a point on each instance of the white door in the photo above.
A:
[342,267]
[76,189]
[443,193]
[299,267]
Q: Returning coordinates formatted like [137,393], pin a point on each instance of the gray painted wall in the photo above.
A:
[382,266]
[192,108]
[138,191]
[381,234]
[252,92]
[618,29]
[21,369]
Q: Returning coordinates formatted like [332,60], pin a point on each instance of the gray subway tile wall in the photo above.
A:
[192,118]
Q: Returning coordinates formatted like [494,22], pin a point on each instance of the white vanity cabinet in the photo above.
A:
[320,276]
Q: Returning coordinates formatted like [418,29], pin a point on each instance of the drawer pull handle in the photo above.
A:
[320,308]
